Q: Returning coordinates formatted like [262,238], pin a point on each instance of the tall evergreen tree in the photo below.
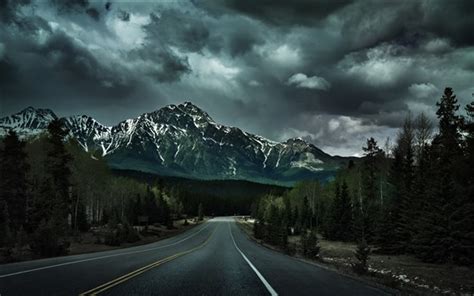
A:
[464,215]
[332,226]
[399,210]
[304,214]
[370,205]
[151,207]
[438,226]
[421,182]
[200,212]
[58,162]
[346,213]
[273,225]
[6,238]
[13,179]
[362,255]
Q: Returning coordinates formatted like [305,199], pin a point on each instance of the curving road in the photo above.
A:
[215,258]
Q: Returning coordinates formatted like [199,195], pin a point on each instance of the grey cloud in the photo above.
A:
[175,28]
[124,15]
[313,82]
[9,10]
[93,13]
[281,12]
[70,5]
[406,21]
[160,63]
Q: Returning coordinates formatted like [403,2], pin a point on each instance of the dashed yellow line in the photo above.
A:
[141,270]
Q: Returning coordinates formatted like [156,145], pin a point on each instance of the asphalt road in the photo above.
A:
[215,258]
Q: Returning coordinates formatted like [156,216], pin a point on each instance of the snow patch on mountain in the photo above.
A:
[309,162]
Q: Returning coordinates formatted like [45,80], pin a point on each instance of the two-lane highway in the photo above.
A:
[215,258]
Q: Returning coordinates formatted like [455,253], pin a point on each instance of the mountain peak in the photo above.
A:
[295,140]
[39,111]
[191,108]
[194,111]
[29,118]
[28,110]
[188,104]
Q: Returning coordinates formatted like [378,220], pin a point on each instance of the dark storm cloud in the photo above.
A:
[236,37]
[70,6]
[8,10]
[173,28]
[93,13]
[38,62]
[332,72]
[8,74]
[124,16]
[403,21]
[280,12]
[163,64]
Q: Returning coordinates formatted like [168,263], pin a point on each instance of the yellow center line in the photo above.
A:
[143,269]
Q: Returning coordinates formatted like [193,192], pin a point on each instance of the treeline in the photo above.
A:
[51,190]
[415,197]
[218,197]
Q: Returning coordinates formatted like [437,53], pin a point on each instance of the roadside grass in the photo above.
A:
[405,273]
[93,241]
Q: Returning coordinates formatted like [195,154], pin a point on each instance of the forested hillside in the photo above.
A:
[413,197]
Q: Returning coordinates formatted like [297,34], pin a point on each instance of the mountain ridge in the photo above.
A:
[183,140]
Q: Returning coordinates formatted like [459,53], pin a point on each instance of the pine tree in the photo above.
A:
[58,162]
[362,256]
[370,206]
[273,225]
[151,208]
[398,215]
[13,179]
[283,235]
[464,215]
[287,212]
[200,212]
[310,244]
[6,239]
[345,220]
[333,214]
[258,229]
[358,222]
[437,237]
[304,215]
[296,217]
[339,220]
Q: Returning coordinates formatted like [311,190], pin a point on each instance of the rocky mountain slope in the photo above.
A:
[183,140]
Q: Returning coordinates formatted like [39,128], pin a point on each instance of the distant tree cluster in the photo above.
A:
[416,197]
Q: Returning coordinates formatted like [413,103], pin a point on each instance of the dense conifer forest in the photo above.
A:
[413,197]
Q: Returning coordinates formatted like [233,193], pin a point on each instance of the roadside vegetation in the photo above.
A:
[56,198]
[408,204]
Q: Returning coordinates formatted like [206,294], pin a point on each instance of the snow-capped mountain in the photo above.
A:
[28,122]
[183,140]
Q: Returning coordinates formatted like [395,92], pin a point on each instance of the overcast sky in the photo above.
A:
[331,72]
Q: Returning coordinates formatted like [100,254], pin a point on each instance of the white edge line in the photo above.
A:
[98,258]
[260,276]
